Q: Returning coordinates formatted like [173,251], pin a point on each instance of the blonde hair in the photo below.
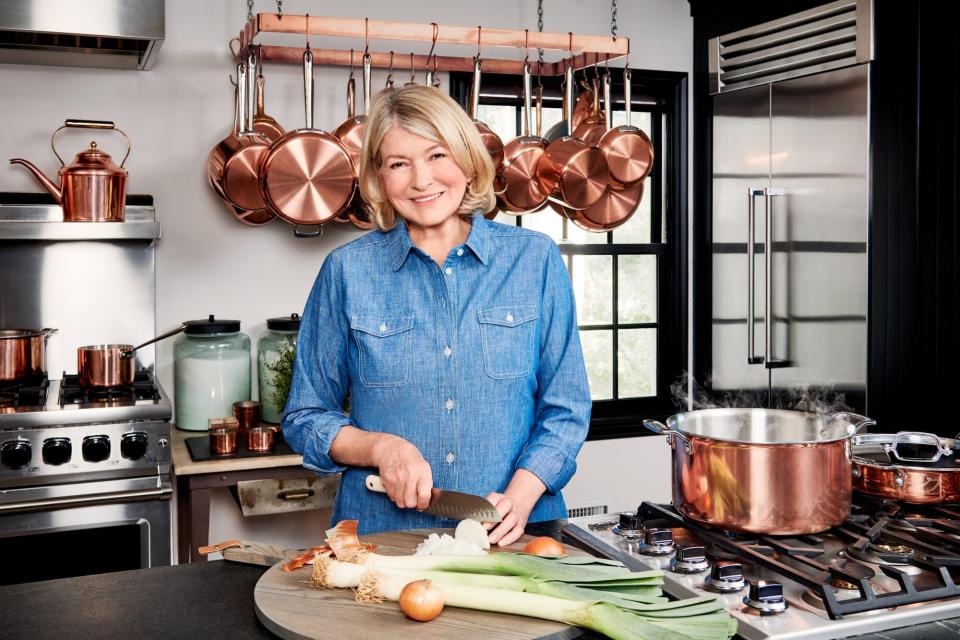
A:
[426,112]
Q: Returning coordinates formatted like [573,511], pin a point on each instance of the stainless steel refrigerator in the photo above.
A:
[790,204]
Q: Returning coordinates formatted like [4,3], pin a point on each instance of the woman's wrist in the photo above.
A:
[525,489]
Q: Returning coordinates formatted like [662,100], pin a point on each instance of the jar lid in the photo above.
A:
[211,326]
[291,323]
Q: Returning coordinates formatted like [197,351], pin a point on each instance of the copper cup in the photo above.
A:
[260,439]
[247,413]
[223,441]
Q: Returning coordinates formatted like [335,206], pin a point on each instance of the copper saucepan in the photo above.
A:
[350,134]
[909,466]
[111,365]
[516,183]
[628,150]
[592,128]
[307,177]
[23,353]
[763,471]
[264,124]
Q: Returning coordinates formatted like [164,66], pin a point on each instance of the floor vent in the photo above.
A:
[839,34]
[579,512]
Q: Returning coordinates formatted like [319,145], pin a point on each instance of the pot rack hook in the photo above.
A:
[526,45]
[479,30]
[235,54]
[306,31]
[351,66]
[366,36]
[390,73]
[413,78]
[432,57]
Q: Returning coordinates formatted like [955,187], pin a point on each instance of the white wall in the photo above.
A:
[209,263]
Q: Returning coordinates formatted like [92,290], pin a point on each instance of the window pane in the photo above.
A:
[636,289]
[593,289]
[637,363]
[576,235]
[598,355]
[639,119]
[637,228]
[502,119]
[550,117]
[545,221]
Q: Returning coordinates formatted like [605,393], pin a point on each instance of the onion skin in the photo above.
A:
[546,547]
[421,600]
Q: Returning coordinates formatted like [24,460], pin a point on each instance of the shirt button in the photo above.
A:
[451,458]
[383,327]
[449,404]
[447,351]
[459,252]
[509,318]
[448,271]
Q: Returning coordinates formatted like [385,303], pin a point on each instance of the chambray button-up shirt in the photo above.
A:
[476,362]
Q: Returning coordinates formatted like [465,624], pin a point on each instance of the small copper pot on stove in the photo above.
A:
[23,353]
[909,466]
[111,365]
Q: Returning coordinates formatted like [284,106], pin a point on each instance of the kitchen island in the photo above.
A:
[205,600]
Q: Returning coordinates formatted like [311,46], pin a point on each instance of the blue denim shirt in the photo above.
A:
[477,363]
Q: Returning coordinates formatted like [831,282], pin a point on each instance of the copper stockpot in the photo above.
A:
[23,353]
[762,471]
[882,467]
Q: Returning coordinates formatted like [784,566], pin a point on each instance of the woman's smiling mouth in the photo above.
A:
[426,199]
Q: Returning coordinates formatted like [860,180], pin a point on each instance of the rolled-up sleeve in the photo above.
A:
[314,414]
[562,410]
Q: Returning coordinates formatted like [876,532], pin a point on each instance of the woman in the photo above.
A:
[454,336]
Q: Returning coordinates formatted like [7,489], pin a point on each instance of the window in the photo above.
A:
[629,282]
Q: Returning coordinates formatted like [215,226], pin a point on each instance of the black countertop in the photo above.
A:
[209,600]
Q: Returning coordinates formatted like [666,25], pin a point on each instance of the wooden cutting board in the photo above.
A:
[294,611]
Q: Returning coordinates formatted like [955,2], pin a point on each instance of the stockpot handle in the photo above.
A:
[859,422]
[916,437]
[664,430]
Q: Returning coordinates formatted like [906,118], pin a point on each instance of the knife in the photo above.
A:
[450,504]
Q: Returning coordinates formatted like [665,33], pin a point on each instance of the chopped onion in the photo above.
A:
[473,532]
[421,600]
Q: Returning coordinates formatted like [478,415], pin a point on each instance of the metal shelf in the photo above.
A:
[37,218]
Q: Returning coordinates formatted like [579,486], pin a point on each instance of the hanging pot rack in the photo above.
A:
[586,50]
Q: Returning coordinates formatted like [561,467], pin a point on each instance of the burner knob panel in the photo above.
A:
[57,450]
[15,454]
[133,446]
[690,559]
[725,577]
[96,448]
[766,597]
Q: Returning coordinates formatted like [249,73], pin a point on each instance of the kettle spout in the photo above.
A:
[47,183]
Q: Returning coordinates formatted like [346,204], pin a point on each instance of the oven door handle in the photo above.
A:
[164,492]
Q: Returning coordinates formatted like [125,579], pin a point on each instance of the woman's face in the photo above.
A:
[420,178]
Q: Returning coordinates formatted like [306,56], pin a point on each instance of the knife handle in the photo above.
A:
[375,484]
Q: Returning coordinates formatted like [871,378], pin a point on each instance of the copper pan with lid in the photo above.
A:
[307,177]
[909,466]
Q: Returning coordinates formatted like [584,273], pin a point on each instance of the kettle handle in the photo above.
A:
[72,123]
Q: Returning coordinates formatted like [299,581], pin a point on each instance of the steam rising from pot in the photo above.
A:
[688,394]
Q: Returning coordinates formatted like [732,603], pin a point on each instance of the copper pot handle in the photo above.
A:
[129,353]
[73,123]
[916,437]
[664,430]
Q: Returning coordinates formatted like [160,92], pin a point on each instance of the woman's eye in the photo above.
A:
[396,165]
[437,155]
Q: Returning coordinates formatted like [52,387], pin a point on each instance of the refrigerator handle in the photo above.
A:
[752,194]
[768,360]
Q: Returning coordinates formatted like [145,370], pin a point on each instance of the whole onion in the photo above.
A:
[421,600]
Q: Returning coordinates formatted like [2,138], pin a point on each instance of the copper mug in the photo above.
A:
[247,413]
[223,441]
[260,439]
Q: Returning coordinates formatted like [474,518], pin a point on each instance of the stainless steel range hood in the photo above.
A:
[109,34]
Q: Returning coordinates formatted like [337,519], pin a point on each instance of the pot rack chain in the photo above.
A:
[590,48]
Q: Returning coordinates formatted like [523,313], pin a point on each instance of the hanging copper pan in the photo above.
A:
[240,171]
[490,139]
[264,124]
[516,185]
[571,170]
[612,210]
[592,128]
[628,150]
[350,134]
[221,154]
[307,177]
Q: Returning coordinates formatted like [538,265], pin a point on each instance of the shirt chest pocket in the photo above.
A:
[383,346]
[508,334]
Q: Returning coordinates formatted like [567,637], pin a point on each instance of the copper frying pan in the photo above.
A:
[615,207]
[240,171]
[307,176]
[628,150]
[350,134]
[592,128]
[262,123]
[516,184]
[219,156]
[490,139]
[571,170]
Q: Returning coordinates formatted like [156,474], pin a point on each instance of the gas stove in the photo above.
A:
[56,431]
[888,566]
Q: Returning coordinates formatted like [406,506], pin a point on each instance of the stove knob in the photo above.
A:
[56,450]
[15,454]
[96,448]
[657,542]
[725,577]
[690,559]
[766,597]
[133,446]
[629,521]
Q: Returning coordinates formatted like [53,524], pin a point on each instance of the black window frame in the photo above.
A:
[663,93]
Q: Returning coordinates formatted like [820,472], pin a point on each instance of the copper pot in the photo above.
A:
[351,131]
[883,466]
[92,188]
[23,353]
[762,471]
[111,365]
[628,150]
[516,183]
[617,204]
[262,123]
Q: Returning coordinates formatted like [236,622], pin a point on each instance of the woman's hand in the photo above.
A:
[514,506]
[406,476]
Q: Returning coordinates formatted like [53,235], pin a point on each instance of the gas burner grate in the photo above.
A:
[796,557]
[72,392]
[26,392]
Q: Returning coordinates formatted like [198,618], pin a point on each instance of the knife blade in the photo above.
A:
[450,504]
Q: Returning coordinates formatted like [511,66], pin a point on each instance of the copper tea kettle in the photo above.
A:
[92,188]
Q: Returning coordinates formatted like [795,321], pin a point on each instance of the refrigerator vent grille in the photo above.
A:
[839,34]
[579,512]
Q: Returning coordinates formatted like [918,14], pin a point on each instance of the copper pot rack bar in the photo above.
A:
[588,50]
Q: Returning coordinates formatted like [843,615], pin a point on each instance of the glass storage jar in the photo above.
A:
[275,352]
[211,371]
